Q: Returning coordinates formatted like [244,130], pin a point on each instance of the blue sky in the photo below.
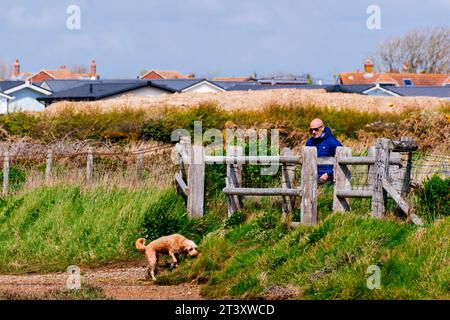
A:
[207,37]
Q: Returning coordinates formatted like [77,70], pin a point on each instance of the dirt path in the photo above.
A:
[117,282]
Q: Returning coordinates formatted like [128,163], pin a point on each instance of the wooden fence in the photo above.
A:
[389,176]
[50,157]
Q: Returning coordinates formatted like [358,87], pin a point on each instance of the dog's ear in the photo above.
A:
[184,247]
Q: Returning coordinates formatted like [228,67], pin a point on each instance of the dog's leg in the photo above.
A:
[152,260]
[174,260]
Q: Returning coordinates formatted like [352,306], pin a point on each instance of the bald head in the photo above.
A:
[316,123]
[316,128]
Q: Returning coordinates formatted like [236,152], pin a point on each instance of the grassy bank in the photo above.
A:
[50,228]
[262,258]
[253,254]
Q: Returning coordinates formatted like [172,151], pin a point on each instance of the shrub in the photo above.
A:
[166,216]
[236,219]
[18,123]
[215,175]
[434,198]
[157,130]
[17,177]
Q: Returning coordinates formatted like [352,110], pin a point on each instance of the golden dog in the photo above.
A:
[172,245]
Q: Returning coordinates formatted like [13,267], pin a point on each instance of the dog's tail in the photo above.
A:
[140,245]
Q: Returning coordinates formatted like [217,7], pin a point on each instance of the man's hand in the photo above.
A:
[324,178]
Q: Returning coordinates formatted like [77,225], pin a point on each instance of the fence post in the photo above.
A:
[379,194]
[342,176]
[287,176]
[5,173]
[185,142]
[140,164]
[196,182]
[395,173]
[234,180]
[371,152]
[309,186]
[90,164]
[48,168]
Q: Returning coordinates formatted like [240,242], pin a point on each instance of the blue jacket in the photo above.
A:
[326,147]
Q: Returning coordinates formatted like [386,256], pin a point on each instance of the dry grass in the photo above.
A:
[117,168]
[157,174]
[255,100]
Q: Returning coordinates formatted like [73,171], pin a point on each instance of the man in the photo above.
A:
[322,138]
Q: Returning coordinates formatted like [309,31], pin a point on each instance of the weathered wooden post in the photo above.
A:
[371,170]
[5,173]
[185,152]
[288,176]
[140,164]
[309,186]
[90,164]
[379,194]
[196,182]
[395,172]
[342,177]
[406,168]
[48,167]
[234,179]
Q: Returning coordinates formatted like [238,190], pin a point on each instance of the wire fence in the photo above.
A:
[24,169]
[109,161]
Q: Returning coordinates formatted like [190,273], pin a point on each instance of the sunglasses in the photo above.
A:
[314,129]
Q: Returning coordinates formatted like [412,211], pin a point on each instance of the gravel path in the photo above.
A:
[118,282]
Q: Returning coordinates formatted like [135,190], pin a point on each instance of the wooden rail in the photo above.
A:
[388,176]
[263,191]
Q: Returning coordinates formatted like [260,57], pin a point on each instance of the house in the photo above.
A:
[104,90]
[412,91]
[258,86]
[4,101]
[61,73]
[193,86]
[24,96]
[393,91]
[233,79]
[160,74]
[55,85]
[398,79]
[110,89]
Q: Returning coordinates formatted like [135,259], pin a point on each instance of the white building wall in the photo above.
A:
[3,105]
[25,100]
[25,104]
[202,88]
[141,92]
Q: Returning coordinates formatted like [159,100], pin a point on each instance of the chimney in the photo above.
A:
[368,66]
[93,68]
[368,69]
[17,68]
[63,67]
[406,66]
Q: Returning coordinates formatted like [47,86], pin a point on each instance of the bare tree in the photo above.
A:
[5,70]
[79,69]
[418,51]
